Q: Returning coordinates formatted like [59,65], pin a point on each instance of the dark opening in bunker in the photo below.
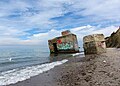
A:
[55,47]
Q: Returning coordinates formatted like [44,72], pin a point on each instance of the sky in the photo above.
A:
[33,22]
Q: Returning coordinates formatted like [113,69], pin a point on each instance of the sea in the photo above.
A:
[18,63]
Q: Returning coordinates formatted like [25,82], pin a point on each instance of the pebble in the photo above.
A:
[104,61]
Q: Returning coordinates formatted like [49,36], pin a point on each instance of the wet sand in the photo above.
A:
[92,70]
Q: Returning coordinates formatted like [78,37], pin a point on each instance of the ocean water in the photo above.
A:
[18,63]
[20,56]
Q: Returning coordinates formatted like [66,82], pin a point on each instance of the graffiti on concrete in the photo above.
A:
[65,46]
[101,44]
[65,43]
[59,41]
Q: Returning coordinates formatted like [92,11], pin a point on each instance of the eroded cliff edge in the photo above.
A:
[113,40]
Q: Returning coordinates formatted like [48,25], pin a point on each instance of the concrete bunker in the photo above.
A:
[94,44]
[67,43]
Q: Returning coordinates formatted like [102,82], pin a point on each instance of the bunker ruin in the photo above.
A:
[67,43]
[94,44]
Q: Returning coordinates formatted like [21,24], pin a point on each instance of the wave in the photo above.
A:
[15,75]
[15,61]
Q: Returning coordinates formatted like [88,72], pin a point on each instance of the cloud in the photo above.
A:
[103,9]
[30,22]
[81,28]
[107,31]
[42,38]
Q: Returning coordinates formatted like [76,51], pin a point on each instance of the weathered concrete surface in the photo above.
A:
[94,37]
[114,39]
[67,43]
[94,44]
[65,32]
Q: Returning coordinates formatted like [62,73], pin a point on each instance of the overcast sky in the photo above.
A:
[33,22]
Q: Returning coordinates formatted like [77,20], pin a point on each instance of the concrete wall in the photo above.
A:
[67,43]
[94,44]
[65,32]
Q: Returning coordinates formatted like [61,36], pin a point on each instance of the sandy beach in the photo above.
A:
[91,70]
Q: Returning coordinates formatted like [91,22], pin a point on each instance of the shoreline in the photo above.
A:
[47,78]
[93,70]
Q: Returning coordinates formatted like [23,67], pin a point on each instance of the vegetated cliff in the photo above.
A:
[114,39]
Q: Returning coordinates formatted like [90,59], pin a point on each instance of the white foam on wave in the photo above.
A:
[15,75]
